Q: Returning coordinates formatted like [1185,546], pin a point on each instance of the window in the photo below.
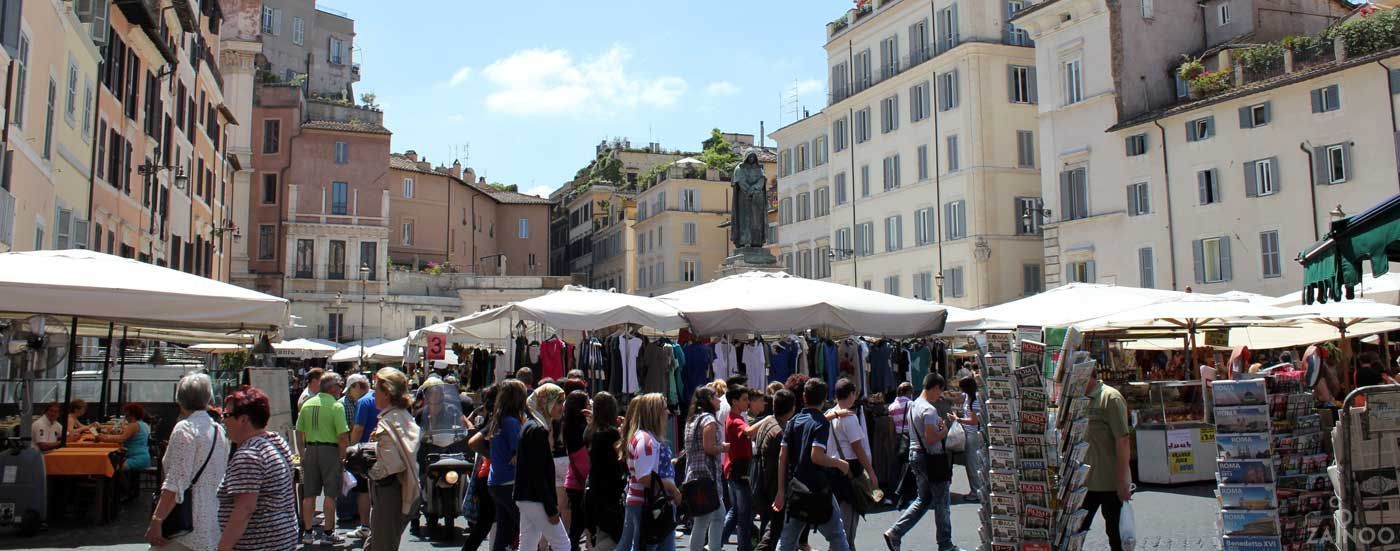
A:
[1183,89]
[838,132]
[1208,183]
[1223,14]
[953,153]
[891,172]
[821,199]
[1139,201]
[298,31]
[823,262]
[1016,36]
[335,326]
[889,114]
[865,181]
[863,125]
[689,271]
[948,35]
[840,82]
[1268,250]
[407,237]
[306,258]
[334,54]
[1031,280]
[1261,177]
[922,161]
[688,233]
[843,241]
[1147,9]
[840,186]
[419,321]
[690,200]
[21,81]
[369,253]
[865,285]
[1022,82]
[1147,278]
[1254,116]
[522,228]
[1212,259]
[1028,216]
[1025,149]
[918,42]
[70,107]
[785,162]
[894,233]
[335,268]
[408,188]
[1200,129]
[865,239]
[785,211]
[892,285]
[819,151]
[804,206]
[1136,145]
[1074,194]
[923,285]
[862,70]
[955,220]
[1337,163]
[340,198]
[269,189]
[660,241]
[1080,272]
[272,136]
[948,90]
[1074,81]
[48,119]
[87,110]
[889,57]
[953,283]
[923,226]
[342,153]
[1326,99]
[919,102]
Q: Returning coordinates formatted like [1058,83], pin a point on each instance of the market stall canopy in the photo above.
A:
[305,348]
[97,286]
[219,348]
[582,309]
[689,161]
[352,353]
[1332,267]
[469,329]
[392,351]
[775,302]
[1189,311]
[1384,288]
[1070,304]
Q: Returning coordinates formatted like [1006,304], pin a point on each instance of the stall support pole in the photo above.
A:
[1348,371]
[121,369]
[1385,349]
[106,368]
[68,385]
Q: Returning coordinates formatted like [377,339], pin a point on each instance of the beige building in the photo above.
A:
[932,154]
[680,230]
[804,198]
[1153,188]
[615,239]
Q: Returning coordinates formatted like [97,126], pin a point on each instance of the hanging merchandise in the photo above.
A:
[755,360]
[630,348]
[696,371]
[552,358]
[726,360]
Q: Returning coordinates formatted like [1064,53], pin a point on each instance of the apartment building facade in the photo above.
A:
[615,240]
[804,197]
[681,231]
[1145,185]
[932,153]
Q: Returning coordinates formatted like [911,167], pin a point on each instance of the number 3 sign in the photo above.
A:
[437,346]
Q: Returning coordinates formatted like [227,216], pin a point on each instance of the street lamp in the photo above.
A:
[1032,214]
[364,282]
[181,180]
[381,317]
[938,281]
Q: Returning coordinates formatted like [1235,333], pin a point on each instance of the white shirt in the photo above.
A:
[755,365]
[46,431]
[305,395]
[190,443]
[630,347]
[726,360]
[846,430]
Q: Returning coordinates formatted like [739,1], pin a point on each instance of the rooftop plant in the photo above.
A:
[1369,32]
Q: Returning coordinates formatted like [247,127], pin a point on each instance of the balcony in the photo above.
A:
[860,83]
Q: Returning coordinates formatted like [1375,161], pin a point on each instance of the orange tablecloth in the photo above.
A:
[79,462]
[109,446]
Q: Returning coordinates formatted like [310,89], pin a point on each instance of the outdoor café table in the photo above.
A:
[93,462]
[109,446]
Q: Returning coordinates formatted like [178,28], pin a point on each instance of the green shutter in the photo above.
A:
[1198,260]
[1251,183]
[1317,101]
[1226,272]
[1245,120]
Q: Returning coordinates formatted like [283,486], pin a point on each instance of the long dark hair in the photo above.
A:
[574,422]
[700,403]
[510,402]
[604,414]
[969,387]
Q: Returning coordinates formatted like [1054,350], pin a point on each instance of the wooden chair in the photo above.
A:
[149,480]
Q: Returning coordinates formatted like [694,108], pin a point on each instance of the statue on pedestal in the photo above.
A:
[748,223]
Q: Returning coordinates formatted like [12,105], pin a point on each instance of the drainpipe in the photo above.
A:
[1394,127]
[92,164]
[1167,186]
[1312,189]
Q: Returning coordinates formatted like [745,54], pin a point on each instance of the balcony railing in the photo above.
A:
[860,83]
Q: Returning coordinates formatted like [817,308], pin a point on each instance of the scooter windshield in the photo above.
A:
[440,418]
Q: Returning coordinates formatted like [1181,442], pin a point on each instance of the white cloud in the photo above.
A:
[459,77]
[810,85]
[721,88]
[552,82]
[539,191]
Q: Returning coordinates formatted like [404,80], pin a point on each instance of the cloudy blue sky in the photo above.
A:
[531,87]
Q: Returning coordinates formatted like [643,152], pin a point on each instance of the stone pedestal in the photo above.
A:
[748,259]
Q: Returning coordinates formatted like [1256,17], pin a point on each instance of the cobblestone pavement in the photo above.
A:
[1169,519]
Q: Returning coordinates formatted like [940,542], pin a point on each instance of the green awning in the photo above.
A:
[1332,267]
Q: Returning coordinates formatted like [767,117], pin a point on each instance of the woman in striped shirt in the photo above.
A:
[647,455]
[256,505]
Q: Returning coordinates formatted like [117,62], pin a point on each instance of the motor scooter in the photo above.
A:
[445,469]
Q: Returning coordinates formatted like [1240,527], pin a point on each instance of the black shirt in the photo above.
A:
[533,456]
[805,431]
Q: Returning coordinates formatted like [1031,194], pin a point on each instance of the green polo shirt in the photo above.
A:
[322,420]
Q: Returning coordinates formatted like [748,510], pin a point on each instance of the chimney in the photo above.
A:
[469,175]
[456,169]
[482,181]
[411,155]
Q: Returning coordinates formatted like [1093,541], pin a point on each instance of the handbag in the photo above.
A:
[701,494]
[180,521]
[658,514]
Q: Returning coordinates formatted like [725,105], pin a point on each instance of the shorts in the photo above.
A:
[320,471]
[561,468]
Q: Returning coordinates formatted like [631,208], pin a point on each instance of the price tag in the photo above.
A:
[1207,435]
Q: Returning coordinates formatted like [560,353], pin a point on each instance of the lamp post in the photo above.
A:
[381,317]
[364,282]
[938,281]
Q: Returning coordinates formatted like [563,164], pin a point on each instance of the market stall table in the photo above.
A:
[95,464]
[1174,444]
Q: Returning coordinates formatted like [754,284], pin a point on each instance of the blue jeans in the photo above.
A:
[931,495]
[740,518]
[631,531]
[973,461]
[832,530]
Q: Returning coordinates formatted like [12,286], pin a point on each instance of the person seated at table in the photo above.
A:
[135,438]
[76,409]
[46,428]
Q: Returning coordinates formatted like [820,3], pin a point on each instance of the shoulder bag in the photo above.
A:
[658,514]
[700,494]
[803,504]
[854,488]
[180,521]
[938,467]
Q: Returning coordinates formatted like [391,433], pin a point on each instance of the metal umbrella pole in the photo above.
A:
[121,369]
[68,384]
[106,367]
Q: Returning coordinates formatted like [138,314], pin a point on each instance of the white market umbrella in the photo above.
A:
[218,348]
[581,309]
[392,351]
[689,161]
[775,302]
[352,353]
[97,286]
[1348,318]
[1188,313]
[1070,304]
[473,329]
[304,348]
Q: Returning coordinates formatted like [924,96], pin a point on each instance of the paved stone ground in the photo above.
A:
[1169,519]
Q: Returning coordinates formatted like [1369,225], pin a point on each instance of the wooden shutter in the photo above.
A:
[1268,112]
[1274,174]
[1031,85]
[1335,95]
[1346,161]
[1210,127]
[1191,131]
[1215,185]
[1132,200]
[11,22]
[1251,183]
[1201,186]
[100,27]
[1319,162]
[1198,260]
[1089,272]
[1006,21]
[1226,272]
[1246,121]
[1317,101]
[1011,83]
